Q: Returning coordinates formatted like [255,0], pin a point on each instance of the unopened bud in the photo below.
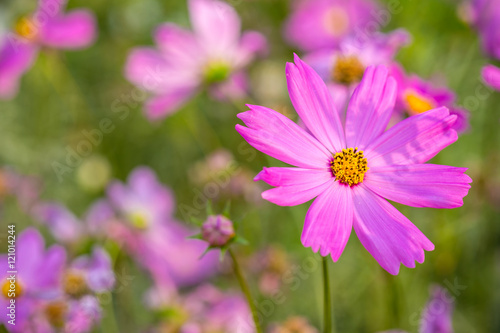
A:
[217,230]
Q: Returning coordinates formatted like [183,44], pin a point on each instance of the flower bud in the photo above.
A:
[217,230]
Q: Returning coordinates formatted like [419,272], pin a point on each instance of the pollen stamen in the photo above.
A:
[349,166]
[348,70]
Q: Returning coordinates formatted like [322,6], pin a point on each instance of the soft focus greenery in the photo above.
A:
[66,93]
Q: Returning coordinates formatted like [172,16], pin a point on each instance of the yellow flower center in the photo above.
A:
[138,220]
[56,313]
[74,284]
[216,71]
[26,29]
[336,21]
[348,70]
[11,290]
[417,103]
[349,166]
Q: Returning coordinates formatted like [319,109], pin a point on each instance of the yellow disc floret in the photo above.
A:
[11,290]
[417,103]
[26,28]
[347,70]
[55,313]
[349,166]
[74,284]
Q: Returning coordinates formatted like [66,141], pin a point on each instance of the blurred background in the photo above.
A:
[65,94]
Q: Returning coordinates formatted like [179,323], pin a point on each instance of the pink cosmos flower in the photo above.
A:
[437,314]
[39,275]
[62,223]
[352,170]
[205,309]
[76,309]
[214,54]
[491,75]
[343,68]
[484,15]
[48,27]
[416,96]
[317,24]
[139,215]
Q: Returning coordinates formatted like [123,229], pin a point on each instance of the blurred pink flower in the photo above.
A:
[436,316]
[416,96]
[63,224]
[351,170]
[214,54]
[38,278]
[484,15]
[318,24]
[343,68]
[140,215]
[491,75]
[25,188]
[48,27]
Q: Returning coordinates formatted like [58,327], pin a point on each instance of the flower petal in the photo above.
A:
[329,220]
[252,43]
[158,107]
[420,185]
[178,45]
[386,233]
[414,140]
[314,104]
[491,75]
[294,186]
[16,57]
[370,107]
[279,137]
[216,25]
[74,30]
[51,7]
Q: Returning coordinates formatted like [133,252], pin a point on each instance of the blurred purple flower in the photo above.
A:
[484,15]
[343,68]
[48,27]
[214,54]
[351,187]
[436,316]
[416,96]
[318,24]
[140,215]
[96,270]
[39,275]
[63,224]
[491,75]
[25,188]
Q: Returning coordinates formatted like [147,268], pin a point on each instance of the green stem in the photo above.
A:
[246,291]
[327,308]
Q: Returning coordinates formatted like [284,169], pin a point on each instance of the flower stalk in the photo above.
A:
[246,291]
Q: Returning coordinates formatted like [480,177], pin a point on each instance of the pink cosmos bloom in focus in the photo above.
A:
[317,24]
[491,75]
[352,169]
[343,68]
[214,55]
[416,96]
[47,27]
